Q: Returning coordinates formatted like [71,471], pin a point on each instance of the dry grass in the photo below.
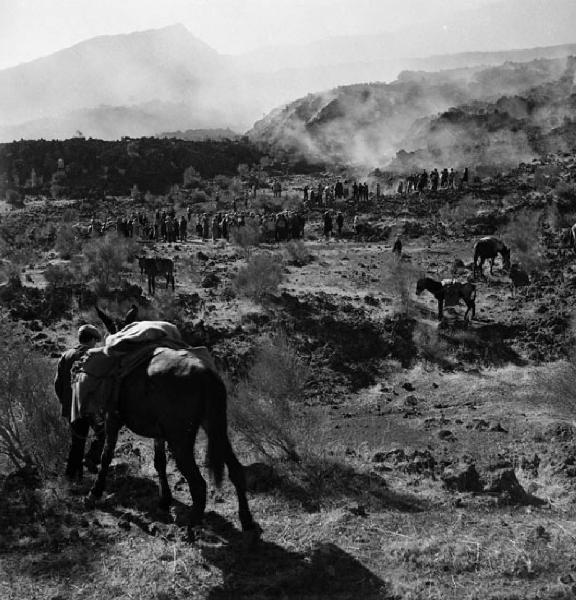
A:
[265,407]
[31,428]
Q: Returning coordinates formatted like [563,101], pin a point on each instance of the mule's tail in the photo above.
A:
[217,429]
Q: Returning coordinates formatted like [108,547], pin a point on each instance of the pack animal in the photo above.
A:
[449,293]
[153,267]
[488,248]
[168,398]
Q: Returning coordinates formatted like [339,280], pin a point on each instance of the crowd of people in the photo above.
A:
[166,226]
[433,181]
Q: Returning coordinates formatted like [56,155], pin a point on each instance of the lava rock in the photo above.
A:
[462,478]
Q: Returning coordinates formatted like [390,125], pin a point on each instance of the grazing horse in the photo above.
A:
[169,398]
[449,292]
[488,248]
[153,267]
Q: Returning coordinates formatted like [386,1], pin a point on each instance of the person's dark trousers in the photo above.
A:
[79,432]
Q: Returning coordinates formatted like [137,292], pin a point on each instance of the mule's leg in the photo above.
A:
[183,452]
[113,426]
[492,264]
[440,308]
[160,466]
[236,474]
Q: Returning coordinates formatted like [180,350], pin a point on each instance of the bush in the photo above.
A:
[264,409]
[31,428]
[14,199]
[260,277]
[66,243]
[397,280]
[246,237]
[566,193]
[523,235]
[104,258]
[199,196]
[58,276]
[297,253]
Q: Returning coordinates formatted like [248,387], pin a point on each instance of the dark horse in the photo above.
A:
[451,292]
[488,248]
[169,398]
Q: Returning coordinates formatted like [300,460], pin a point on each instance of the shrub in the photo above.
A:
[523,235]
[246,237]
[199,196]
[264,409]
[566,193]
[59,276]
[397,279]
[14,199]
[105,257]
[260,277]
[66,243]
[31,428]
[297,253]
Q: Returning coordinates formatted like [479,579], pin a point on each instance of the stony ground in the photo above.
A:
[437,461]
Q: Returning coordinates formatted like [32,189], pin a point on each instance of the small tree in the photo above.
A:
[105,257]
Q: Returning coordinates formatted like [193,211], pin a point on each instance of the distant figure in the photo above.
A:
[423,181]
[397,248]
[464,180]
[339,190]
[340,223]
[183,227]
[434,177]
[327,224]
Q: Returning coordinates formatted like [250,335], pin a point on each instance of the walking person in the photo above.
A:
[88,337]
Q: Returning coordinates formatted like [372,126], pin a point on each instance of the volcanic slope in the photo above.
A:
[367,124]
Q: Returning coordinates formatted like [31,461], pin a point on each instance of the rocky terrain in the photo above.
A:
[430,460]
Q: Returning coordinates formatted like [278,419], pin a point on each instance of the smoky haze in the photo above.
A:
[169,79]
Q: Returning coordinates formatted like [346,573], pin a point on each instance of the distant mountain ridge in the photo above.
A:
[166,80]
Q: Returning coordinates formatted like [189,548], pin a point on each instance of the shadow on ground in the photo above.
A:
[269,571]
[321,481]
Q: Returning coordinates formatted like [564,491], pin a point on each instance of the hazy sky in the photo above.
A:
[33,28]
